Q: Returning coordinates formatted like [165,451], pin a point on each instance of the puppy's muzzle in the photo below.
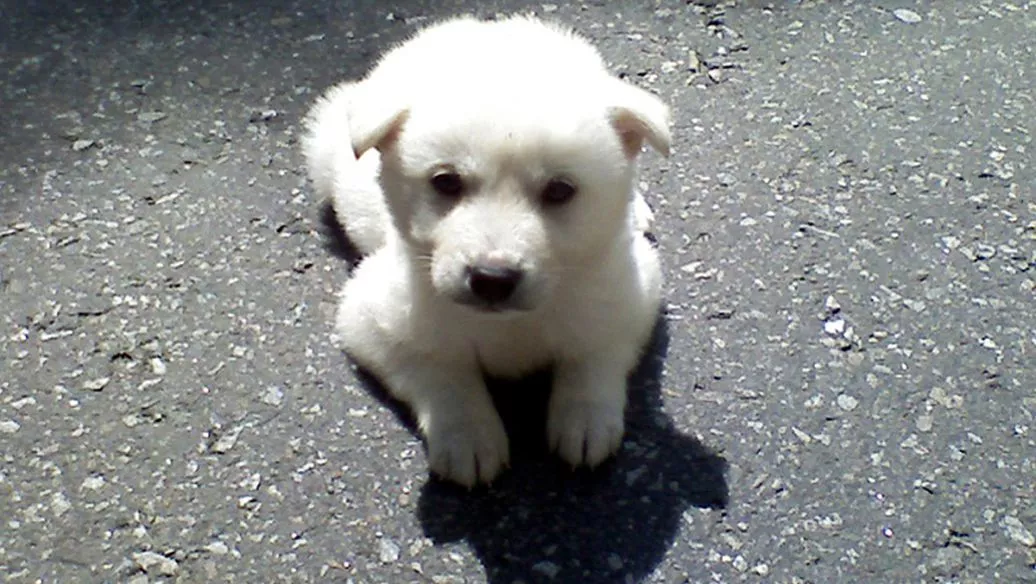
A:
[493,286]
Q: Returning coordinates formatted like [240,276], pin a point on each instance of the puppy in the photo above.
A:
[486,172]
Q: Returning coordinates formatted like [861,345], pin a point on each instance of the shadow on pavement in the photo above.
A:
[541,521]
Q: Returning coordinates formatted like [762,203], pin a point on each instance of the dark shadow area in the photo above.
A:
[335,239]
[541,521]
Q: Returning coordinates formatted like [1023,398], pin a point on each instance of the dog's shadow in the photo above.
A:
[542,521]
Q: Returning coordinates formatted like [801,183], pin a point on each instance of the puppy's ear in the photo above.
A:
[374,119]
[639,116]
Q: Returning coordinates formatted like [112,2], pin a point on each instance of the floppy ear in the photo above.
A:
[639,116]
[374,120]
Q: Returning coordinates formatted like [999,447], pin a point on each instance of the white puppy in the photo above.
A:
[486,171]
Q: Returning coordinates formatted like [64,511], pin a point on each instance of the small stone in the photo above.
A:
[80,145]
[59,504]
[227,441]
[158,366]
[93,483]
[984,252]
[96,384]
[847,402]
[150,117]
[739,563]
[907,16]
[615,562]
[155,563]
[694,63]
[263,116]
[9,427]
[834,327]
[948,560]
[388,551]
[924,423]
[1017,532]
[273,396]
[832,305]
[802,436]
[217,548]
[761,569]
[548,569]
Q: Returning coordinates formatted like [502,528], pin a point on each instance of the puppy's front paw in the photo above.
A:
[467,447]
[584,432]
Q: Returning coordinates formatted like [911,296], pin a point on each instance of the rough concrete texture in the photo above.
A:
[843,388]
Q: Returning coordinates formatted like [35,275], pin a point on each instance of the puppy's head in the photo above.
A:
[508,157]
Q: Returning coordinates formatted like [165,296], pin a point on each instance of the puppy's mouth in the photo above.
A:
[512,306]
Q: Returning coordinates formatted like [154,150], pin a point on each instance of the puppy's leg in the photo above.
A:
[376,326]
[466,440]
[585,417]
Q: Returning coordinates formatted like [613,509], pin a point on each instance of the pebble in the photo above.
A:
[150,117]
[548,569]
[388,551]
[614,562]
[155,563]
[948,560]
[93,483]
[80,145]
[59,504]
[1017,532]
[834,327]
[847,402]
[907,16]
[802,436]
[158,366]
[832,305]
[226,441]
[96,384]
[273,396]
[924,423]
[217,548]
[9,427]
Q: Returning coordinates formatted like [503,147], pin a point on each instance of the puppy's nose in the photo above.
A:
[492,284]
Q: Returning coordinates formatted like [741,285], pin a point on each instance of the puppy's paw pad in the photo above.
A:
[584,433]
[467,451]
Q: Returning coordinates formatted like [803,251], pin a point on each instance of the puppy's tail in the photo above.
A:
[350,183]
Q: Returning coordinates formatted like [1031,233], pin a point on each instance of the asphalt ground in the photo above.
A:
[842,388]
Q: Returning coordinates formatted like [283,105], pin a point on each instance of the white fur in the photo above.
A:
[508,105]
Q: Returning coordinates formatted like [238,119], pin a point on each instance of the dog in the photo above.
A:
[485,171]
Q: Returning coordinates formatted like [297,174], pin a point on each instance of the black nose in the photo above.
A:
[491,284]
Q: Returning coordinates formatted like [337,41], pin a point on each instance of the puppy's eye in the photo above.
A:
[448,183]
[558,192]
